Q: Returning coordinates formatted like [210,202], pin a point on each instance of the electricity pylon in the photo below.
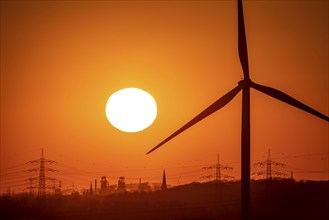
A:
[43,169]
[270,164]
[219,174]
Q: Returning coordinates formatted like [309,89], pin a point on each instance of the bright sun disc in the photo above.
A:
[131,109]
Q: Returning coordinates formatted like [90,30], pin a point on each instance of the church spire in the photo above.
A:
[164,182]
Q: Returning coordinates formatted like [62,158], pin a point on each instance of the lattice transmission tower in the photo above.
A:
[219,175]
[42,177]
[272,168]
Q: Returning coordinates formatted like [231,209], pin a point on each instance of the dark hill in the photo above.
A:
[279,199]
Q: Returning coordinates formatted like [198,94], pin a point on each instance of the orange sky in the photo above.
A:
[60,61]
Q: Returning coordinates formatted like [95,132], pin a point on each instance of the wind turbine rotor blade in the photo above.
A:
[287,99]
[208,111]
[242,42]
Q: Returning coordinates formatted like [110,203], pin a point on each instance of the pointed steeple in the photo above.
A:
[164,182]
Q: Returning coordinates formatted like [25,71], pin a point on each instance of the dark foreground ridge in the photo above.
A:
[278,199]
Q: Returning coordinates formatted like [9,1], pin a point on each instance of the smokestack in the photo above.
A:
[91,188]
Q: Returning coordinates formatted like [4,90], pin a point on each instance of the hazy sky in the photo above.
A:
[60,61]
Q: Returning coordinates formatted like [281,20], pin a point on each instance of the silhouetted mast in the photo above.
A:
[218,170]
[269,165]
[91,189]
[95,186]
[42,177]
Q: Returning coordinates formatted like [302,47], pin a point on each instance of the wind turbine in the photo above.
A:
[245,86]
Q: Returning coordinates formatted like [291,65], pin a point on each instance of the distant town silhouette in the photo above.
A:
[285,199]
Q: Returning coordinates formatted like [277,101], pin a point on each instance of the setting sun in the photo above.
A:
[131,110]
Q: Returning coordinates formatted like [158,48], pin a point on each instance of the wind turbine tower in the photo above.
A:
[245,84]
